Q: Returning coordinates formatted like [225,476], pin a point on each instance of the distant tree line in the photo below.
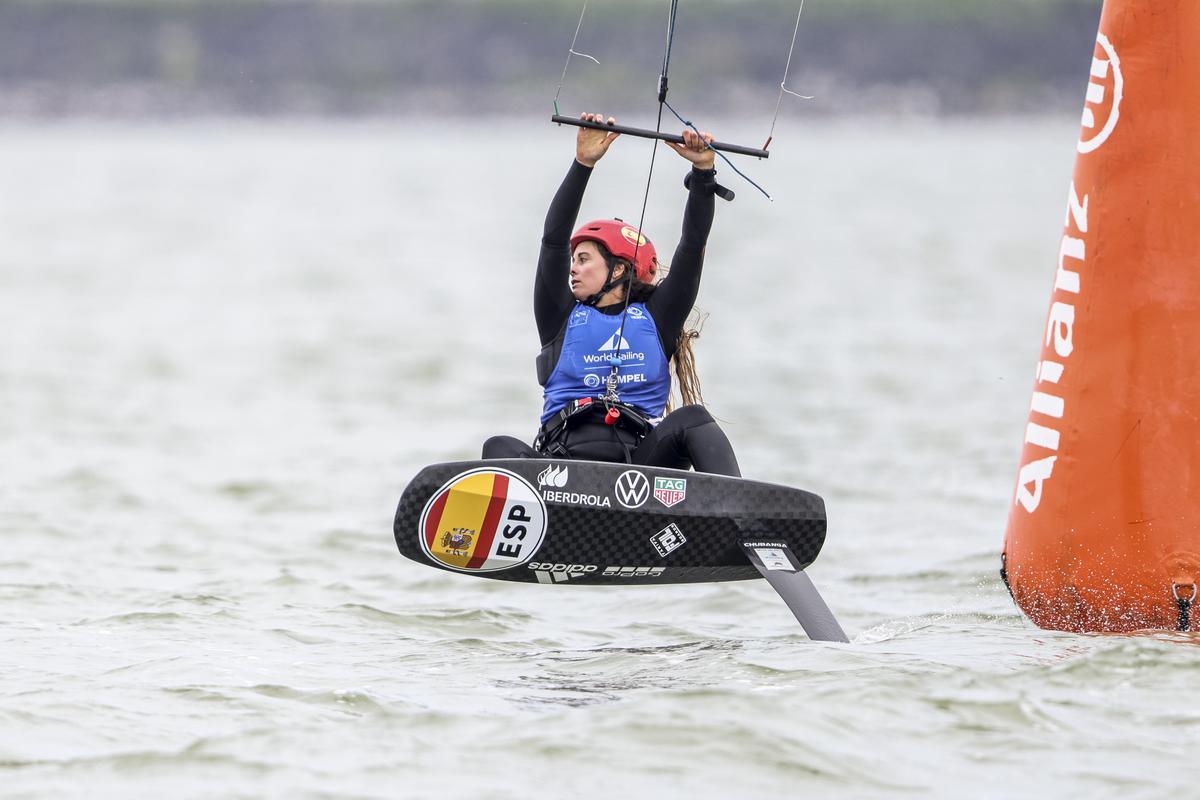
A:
[62,57]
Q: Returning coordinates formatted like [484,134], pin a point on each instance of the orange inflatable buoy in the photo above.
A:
[1104,529]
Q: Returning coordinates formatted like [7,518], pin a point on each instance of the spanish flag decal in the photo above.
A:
[483,520]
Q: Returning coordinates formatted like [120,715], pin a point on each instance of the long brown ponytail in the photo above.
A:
[683,364]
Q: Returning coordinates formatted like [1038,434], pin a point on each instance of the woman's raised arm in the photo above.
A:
[552,298]
[673,300]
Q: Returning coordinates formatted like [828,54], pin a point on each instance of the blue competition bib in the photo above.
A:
[643,379]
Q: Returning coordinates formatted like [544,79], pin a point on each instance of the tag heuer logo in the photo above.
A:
[670,491]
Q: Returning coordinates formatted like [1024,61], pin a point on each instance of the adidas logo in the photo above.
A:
[560,573]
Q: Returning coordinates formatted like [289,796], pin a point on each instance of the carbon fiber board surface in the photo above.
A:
[587,522]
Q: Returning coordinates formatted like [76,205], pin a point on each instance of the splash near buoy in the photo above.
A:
[1104,528]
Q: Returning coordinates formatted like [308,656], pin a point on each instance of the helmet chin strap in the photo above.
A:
[608,286]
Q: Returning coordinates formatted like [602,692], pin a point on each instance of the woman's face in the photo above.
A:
[588,271]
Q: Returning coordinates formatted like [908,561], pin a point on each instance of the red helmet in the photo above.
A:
[621,240]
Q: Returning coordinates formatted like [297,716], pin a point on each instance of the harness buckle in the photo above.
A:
[550,440]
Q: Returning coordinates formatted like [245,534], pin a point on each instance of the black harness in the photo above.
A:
[553,437]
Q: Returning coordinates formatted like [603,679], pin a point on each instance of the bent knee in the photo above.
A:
[691,415]
[503,447]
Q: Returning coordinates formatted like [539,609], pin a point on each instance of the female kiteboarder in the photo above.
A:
[609,330]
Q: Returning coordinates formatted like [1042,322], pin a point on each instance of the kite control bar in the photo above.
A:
[644,133]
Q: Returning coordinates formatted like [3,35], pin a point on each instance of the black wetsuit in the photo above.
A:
[686,437]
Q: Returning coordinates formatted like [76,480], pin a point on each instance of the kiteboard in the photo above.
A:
[568,522]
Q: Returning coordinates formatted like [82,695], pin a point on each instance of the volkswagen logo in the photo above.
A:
[632,489]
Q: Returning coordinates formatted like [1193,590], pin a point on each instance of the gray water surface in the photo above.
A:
[225,348]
